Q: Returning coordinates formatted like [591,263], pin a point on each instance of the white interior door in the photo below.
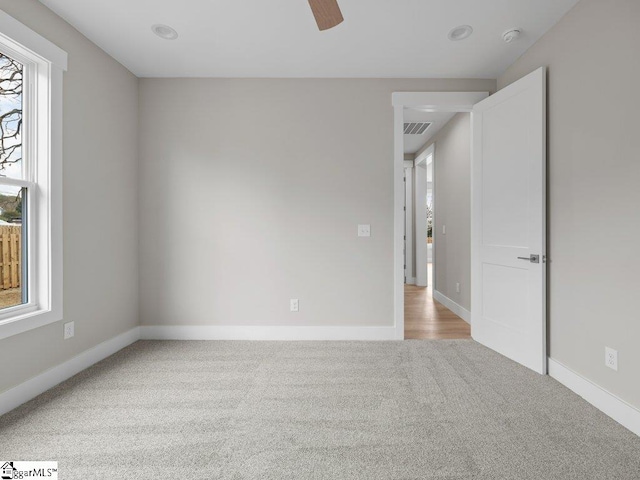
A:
[508,270]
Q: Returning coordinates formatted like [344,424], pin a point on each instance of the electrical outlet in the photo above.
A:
[294,305]
[457,288]
[69,330]
[611,358]
[444,229]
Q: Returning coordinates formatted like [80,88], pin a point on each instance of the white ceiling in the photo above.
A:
[413,143]
[279,38]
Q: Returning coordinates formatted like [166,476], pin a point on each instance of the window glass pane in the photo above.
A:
[12,246]
[10,117]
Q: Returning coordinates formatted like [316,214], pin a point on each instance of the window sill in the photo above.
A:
[29,317]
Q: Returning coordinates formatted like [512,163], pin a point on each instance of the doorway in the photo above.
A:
[435,102]
[433,310]
[508,214]
[423,217]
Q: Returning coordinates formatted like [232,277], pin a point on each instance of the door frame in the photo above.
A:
[410,274]
[431,102]
[420,214]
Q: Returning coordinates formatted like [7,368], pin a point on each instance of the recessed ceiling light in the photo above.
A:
[164,31]
[460,33]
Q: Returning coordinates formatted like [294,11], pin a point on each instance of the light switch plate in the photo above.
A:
[364,230]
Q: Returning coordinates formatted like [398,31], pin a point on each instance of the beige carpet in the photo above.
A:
[327,410]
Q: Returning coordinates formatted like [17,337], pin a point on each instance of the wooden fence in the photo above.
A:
[10,256]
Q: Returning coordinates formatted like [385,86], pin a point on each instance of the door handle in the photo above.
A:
[531,258]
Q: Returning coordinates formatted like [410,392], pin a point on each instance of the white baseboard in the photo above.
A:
[410,280]
[220,332]
[616,408]
[33,387]
[459,310]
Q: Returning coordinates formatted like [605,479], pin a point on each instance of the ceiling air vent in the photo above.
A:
[416,128]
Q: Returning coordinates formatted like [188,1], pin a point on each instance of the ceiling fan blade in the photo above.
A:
[327,13]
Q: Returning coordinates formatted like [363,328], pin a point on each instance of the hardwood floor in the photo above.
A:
[426,319]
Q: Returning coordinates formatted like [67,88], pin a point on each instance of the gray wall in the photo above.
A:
[100,217]
[251,191]
[453,208]
[594,188]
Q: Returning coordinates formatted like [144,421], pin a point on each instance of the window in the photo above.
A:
[31,70]
[13,261]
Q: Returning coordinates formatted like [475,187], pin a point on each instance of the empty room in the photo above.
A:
[319,239]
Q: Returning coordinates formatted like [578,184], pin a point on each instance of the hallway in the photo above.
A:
[426,319]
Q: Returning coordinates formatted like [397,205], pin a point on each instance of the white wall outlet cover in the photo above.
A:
[444,229]
[364,230]
[457,287]
[69,330]
[294,305]
[611,358]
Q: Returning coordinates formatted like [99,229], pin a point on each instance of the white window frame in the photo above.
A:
[44,65]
